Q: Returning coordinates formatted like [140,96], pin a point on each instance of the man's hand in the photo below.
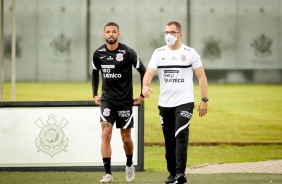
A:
[138,100]
[97,100]
[203,108]
[146,91]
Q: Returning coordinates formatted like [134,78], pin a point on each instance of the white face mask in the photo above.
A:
[170,39]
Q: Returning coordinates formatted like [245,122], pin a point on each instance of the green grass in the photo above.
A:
[141,178]
[244,112]
[49,91]
[155,161]
[237,112]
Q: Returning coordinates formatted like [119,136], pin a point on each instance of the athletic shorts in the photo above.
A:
[176,117]
[117,112]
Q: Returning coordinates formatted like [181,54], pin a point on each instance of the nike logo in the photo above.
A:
[163,58]
[102,57]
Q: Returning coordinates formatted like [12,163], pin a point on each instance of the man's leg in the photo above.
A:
[128,149]
[127,144]
[168,124]
[183,117]
[106,150]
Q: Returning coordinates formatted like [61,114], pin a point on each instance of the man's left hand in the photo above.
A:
[203,108]
[138,100]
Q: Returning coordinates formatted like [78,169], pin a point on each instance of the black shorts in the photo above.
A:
[117,112]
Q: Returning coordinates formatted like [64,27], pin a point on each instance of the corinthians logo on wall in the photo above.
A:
[262,45]
[61,45]
[211,49]
[51,138]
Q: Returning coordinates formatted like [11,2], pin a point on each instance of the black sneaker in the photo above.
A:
[170,179]
[180,179]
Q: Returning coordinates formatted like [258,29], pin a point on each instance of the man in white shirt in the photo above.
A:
[175,64]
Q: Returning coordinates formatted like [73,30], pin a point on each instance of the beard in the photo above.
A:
[111,41]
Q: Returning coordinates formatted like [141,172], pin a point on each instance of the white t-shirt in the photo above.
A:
[175,71]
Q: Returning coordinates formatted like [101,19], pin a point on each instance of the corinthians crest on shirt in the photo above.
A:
[119,57]
[183,58]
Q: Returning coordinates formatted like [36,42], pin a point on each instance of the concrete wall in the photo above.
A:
[238,40]
[50,40]
[241,38]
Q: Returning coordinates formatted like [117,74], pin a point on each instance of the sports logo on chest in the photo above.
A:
[183,58]
[119,57]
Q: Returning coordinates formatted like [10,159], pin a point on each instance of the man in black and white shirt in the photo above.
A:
[115,61]
[175,64]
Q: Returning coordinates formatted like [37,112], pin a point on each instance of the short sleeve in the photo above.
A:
[196,63]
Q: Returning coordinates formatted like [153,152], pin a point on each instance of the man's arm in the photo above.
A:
[146,91]
[138,64]
[203,83]
[95,85]
[142,70]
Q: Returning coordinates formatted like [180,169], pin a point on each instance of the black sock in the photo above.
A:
[107,165]
[129,160]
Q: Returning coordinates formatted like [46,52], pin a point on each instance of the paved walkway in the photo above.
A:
[271,166]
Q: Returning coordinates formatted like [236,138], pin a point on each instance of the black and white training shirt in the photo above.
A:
[175,71]
[116,71]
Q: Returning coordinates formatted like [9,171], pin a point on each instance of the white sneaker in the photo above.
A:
[130,174]
[108,178]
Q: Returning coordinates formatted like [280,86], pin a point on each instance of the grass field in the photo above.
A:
[141,178]
[237,112]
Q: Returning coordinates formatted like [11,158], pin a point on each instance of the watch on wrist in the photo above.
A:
[205,99]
